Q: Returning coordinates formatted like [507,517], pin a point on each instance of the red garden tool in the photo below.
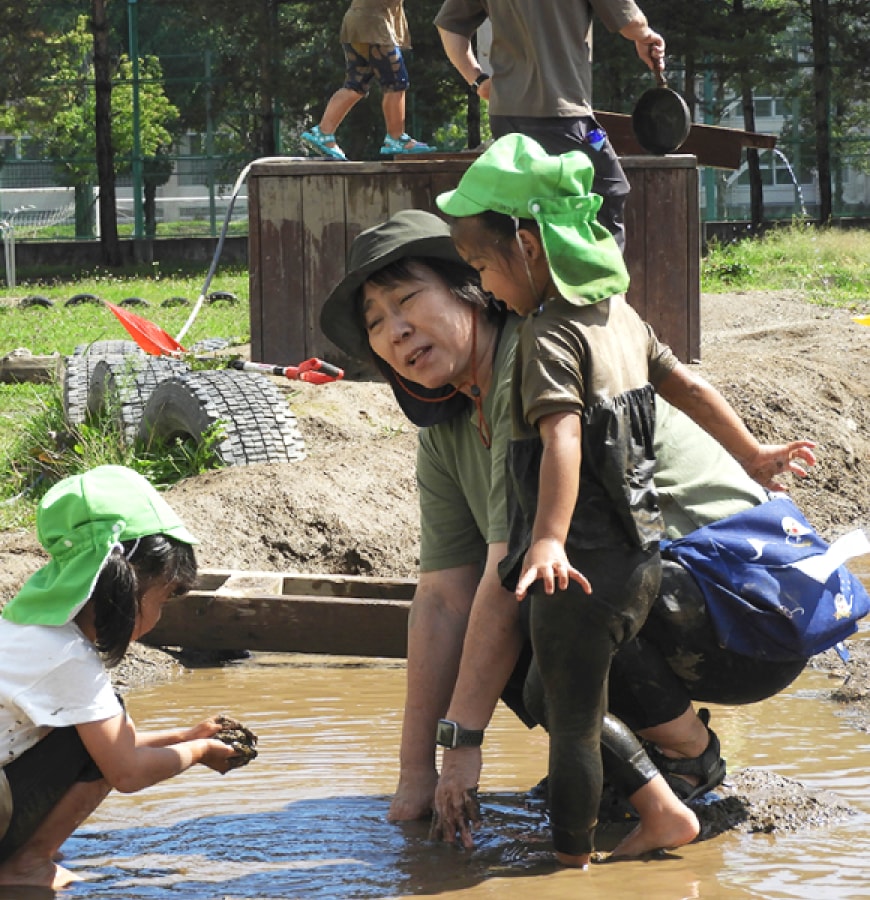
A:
[314,371]
[150,337]
[154,340]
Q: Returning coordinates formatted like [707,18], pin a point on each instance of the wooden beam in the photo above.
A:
[712,145]
[16,368]
[331,614]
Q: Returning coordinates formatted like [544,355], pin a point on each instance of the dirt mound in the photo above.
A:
[792,369]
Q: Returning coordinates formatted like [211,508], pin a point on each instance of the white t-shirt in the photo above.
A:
[50,677]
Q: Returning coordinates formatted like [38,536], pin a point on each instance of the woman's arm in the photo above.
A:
[459,51]
[492,646]
[436,630]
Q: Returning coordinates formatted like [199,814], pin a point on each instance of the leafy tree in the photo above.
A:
[26,29]
[62,117]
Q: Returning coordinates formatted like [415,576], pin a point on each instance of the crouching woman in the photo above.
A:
[117,552]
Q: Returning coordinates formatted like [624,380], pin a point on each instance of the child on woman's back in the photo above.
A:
[118,553]
[585,511]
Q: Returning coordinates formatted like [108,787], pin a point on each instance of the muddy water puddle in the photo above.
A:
[307,818]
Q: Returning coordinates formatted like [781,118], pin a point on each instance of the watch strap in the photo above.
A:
[452,735]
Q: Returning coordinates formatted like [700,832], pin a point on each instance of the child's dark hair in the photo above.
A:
[154,559]
[461,280]
[491,231]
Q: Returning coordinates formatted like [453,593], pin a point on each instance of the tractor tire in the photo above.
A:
[259,425]
[107,348]
[120,387]
[79,369]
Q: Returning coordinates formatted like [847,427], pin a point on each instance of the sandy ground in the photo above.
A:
[791,369]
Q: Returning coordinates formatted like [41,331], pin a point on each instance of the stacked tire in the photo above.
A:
[156,399]
[258,424]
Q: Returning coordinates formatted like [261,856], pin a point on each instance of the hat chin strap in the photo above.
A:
[127,554]
[525,261]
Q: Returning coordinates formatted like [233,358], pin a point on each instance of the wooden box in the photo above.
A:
[304,214]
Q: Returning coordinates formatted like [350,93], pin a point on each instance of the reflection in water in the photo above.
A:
[307,818]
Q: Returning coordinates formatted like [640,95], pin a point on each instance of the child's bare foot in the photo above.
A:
[664,833]
[43,873]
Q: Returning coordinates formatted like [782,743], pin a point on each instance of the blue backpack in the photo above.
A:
[773,588]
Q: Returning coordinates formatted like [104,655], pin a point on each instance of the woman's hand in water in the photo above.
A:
[773,460]
[457,810]
[546,561]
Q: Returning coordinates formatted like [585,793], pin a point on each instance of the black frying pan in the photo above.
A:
[661,120]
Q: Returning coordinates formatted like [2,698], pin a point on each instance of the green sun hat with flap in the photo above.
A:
[515,176]
[80,522]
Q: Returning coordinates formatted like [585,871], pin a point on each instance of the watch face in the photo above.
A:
[445,734]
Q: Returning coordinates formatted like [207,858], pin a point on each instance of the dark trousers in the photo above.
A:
[676,658]
[574,637]
[558,134]
[39,778]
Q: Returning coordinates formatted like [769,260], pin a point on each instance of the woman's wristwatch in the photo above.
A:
[452,735]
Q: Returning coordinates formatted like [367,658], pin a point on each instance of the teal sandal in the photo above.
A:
[320,143]
[398,146]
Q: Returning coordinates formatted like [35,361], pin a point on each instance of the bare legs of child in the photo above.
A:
[665,822]
[34,862]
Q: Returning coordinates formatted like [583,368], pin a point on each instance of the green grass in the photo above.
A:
[36,446]
[829,266]
[60,328]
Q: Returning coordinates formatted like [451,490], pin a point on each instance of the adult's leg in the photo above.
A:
[561,135]
[676,658]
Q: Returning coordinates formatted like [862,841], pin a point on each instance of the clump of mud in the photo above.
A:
[758,801]
[239,737]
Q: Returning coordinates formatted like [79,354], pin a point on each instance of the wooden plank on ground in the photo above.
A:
[267,611]
[16,368]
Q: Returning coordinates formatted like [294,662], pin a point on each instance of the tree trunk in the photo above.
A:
[267,141]
[822,103]
[756,188]
[105,154]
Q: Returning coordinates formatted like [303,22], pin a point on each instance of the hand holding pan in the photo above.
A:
[661,120]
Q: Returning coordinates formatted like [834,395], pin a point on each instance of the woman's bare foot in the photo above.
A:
[42,873]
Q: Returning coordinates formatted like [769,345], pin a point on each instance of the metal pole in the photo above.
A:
[138,217]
